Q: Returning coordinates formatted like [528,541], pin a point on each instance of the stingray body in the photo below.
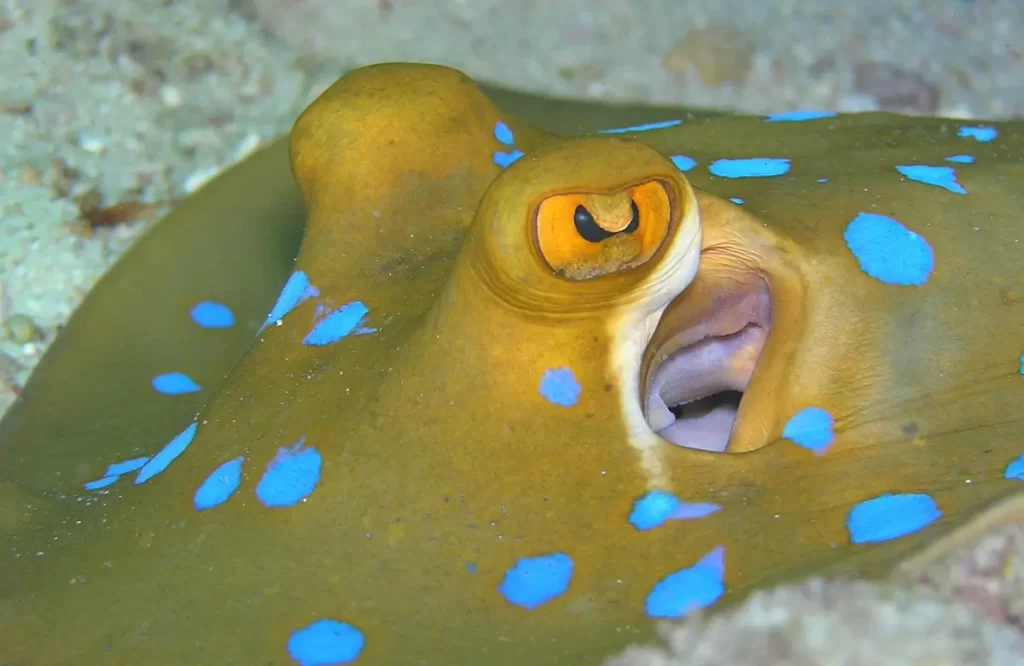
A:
[470,429]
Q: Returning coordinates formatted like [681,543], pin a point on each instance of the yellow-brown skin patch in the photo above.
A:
[438,449]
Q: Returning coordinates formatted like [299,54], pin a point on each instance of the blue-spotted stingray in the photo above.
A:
[458,389]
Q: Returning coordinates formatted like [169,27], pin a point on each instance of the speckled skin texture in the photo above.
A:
[439,452]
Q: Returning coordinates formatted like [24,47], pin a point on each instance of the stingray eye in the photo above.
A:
[590,231]
[583,236]
[634,223]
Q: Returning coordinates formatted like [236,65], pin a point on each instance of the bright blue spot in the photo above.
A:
[175,383]
[503,134]
[753,167]
[642,128]
[505,159]
[658,506]
[1015,470]
[560,387]
[295,291]
[736,200]
[166,455]
[689,510]
[888,251]
[1022,364]
[823,180]
[217,487]
[652,509]
[982,133]
[213,315]
[687,590]
[290,476]
[683,163]
[325,643]
[811,428]
[940,176]
[537,580]
[127,466]
[337,325]
[961,159]
[890,516]
[471,567]
[115,471]
[798,116]
[101,483]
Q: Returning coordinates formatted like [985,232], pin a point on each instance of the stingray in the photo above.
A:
[486,378]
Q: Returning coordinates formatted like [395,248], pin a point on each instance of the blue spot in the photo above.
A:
[683,163]
[688,510]
[890,516]
[798,116]
[687,590]
[940,176]
[642,128]
[166,455]
[982,133]
[101,483]
[115,471]
[560,387]
[658,506]
[537,580]
[1015,470]
[296,290]
[505,159]
[811,428]
[290,476]
[503,134]
[219,486]
[961,159]
[127,466]
[175,383]
[823,180]
[736,200]
[213,315]
[753,167]
[471,567]
[888,251]
[338,324]
[652,509]
[325,643]
[1022,364]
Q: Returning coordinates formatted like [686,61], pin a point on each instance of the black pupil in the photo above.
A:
[592,233]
